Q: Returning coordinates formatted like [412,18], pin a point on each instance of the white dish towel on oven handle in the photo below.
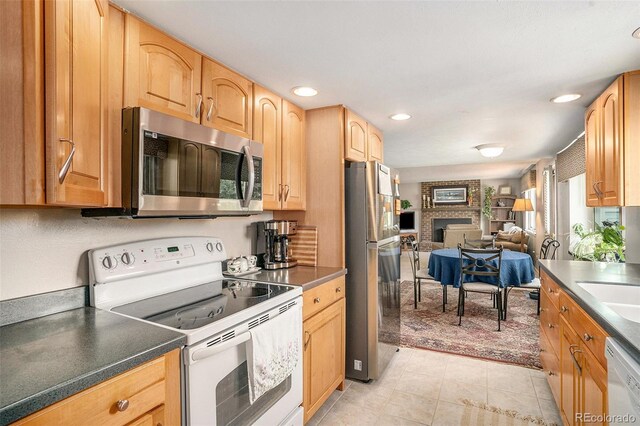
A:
[273,351]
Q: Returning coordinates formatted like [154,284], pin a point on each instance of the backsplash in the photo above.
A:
[44,250]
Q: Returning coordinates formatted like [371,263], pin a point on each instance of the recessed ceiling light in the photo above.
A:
[490,150]
[304,91]
[636,33]
[566,98]
[400,117]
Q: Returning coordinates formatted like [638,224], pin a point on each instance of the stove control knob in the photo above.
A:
[108,262]
[127,258]
[210,247]
[219,246]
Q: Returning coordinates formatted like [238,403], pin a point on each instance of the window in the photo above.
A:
[529,218]
[610,215]
[546,200]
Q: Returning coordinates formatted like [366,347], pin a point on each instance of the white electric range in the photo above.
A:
[177,283]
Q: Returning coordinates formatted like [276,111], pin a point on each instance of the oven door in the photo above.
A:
[217,387]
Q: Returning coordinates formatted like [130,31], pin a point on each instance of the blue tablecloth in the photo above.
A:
[517,268]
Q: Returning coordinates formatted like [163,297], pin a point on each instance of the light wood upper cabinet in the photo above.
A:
[228,104]
[592,146]
[375,145]
[294,158]
[76,101]
[612,139]
[355,137]
[324,346]
[267,129]
[161,73]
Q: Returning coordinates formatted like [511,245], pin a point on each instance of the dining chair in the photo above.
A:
[548,250]
[418,273]
[472,264]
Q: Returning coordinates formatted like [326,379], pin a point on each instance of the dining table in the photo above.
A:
[517,268]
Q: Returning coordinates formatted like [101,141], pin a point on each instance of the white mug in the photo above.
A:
[238,264]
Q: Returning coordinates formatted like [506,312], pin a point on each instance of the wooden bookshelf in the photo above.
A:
[500,214]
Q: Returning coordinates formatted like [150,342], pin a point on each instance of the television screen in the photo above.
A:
[407,221]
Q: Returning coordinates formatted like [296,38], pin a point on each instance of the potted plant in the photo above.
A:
[603,244]
[405,204]
[489,191]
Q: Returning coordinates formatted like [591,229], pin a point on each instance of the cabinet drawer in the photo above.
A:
[143,388]
[549,322]
[320,297]
[591,335]
[551,365]
[551,288]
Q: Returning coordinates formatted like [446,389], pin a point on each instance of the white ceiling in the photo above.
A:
[468,72]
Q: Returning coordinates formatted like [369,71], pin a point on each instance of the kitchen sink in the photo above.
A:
[624,299]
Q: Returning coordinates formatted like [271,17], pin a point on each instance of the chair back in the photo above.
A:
[414,257]
[548,248]
[479,262]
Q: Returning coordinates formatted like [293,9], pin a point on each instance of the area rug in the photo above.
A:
[429,328]
[483,414]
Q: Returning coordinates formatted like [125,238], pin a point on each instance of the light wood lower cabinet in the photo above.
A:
[576,366]
[146,395]
[324,344]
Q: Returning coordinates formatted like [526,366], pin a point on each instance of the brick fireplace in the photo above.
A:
[456,213]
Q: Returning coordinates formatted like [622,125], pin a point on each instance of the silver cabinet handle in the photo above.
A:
[316,300]
[199,106]
[307,338]
[596,187]
[252,177]
[286,193]
[573,353]
[122,404]
[211,107]
[280,192]
[65,167]
[563,309]
[587,337]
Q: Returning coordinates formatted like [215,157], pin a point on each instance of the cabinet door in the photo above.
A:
[76,101]
[324,337]
[594,386]
[593,157]
[375,148]
[267,129]
[228,100]
[355,138]
[152,418]
[611,144]
[161,73]
[569,373]
[294,158]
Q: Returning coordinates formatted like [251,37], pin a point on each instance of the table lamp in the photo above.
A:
[522,205]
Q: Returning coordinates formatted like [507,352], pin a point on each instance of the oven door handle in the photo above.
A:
[200,354]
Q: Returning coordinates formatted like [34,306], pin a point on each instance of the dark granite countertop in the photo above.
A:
[568,273]
[47,359]
[307,277]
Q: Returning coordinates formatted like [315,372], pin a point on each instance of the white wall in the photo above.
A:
[44,250]
[632,234]
[413,193]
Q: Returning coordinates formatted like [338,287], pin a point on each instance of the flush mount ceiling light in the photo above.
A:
[636,33]
[490,150]
[566,98]
[304,91]
[400,117]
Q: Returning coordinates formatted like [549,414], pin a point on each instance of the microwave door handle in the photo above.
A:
[200,354]
[252,177]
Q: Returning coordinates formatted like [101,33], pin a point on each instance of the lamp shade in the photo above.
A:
[522,205]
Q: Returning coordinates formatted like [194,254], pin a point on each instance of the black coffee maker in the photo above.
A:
[272,243]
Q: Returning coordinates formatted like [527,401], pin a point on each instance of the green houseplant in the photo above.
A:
[489,191]
[405,204]
[603,244]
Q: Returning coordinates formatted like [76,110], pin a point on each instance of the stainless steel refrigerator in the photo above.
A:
[373,262]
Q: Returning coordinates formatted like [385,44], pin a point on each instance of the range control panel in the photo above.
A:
[152,256]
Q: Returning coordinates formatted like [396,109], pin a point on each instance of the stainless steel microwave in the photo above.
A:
[176,168]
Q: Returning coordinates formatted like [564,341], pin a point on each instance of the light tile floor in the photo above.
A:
[421,387]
